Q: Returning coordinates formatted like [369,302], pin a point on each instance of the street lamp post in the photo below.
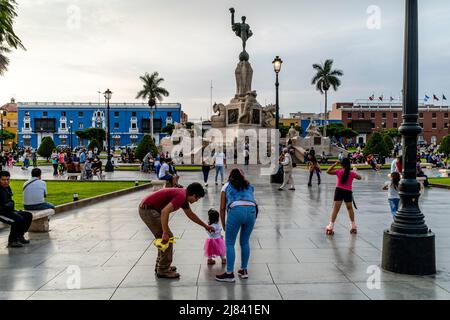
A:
[109,167]
[278,176]
[70,132]
[409,246]
[152,105]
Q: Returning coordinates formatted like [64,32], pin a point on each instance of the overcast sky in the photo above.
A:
[76,47]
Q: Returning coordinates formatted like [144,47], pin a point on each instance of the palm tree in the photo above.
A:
[324,79]
[152,92]
[8,39]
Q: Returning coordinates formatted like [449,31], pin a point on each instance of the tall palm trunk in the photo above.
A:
[325,116]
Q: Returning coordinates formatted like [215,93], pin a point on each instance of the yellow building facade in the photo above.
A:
[10,122]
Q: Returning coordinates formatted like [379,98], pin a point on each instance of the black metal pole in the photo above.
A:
[277,104]
[409,246]
[109,167]
[1,114]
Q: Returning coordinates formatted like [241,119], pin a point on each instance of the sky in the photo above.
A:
[77,47]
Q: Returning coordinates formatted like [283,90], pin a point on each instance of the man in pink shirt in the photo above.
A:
[154,210]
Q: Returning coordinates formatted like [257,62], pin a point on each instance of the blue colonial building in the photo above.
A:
[128,121]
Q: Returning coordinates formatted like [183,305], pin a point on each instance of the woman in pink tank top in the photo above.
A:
[343,193]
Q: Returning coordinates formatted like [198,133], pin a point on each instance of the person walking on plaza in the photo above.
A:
[20,221]
[238,211]
[219,163]
[55,158]
[343,193]
[393,196]
[287,169]
[155,209]
[396,165]
[34,159]
[35,192]
[205,170]
[314,167]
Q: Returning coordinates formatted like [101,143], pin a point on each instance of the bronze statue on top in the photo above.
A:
[243,31]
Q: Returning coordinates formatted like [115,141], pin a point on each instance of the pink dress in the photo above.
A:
[215,244]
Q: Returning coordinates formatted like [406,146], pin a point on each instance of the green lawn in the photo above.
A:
[39,163]
[444,181]
[188,168]
[60,192]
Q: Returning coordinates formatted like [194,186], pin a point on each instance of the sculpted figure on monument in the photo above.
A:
[292,133]
[268,115]
[219,119]
[242,30]
[246,112]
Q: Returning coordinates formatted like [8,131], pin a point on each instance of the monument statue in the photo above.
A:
[313,130]
[246,113]
[292,134]
[218,121]
[243,31]
[268,116]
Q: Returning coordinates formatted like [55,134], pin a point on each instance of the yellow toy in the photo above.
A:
[163,246]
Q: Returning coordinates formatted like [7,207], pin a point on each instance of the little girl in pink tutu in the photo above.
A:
[214,244]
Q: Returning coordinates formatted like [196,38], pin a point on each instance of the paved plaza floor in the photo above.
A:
[291,257]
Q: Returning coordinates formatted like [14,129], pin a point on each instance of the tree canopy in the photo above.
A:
[377,145]
[151,90]
[445,146]
[46,148]
[145,146]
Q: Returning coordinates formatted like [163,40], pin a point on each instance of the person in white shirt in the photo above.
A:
[164,173]
[220,163]
[35,192]
[287,168]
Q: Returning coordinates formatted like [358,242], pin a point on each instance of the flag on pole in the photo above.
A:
[444,97]
[372,97]
[392,99]
[381,98]
[426,98]
[435,97]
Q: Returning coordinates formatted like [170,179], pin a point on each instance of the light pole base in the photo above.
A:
[276,178]
[109,166]
[412,254]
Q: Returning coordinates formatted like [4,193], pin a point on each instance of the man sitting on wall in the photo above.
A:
[20,221]
[164,173]
[35,192]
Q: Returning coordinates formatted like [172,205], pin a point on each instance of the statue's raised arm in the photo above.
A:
[242,29]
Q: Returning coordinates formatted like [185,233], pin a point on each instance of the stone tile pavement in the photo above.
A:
[291,257]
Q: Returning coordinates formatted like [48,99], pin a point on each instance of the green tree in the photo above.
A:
[94,144]
[46,148]
[8,39]
[326,78]
[347,133]
[445,146]
[168,129]
[97,134]
[388,141]
[377,145]
[145,146]
[392,132]
[6,135]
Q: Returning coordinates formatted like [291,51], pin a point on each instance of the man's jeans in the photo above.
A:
[241,218]
[219,170]
[41,206]
[20,221]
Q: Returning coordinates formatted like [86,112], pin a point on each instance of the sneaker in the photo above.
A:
[24,241]
[206,184]
[171,268]
[225,277]
[15,244]
[292,189]
[217,184]
[242,273]
[280,189]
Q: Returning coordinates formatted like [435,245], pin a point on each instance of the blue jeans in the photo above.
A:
[219,169]
[41,206]
[393,203]
[239,218]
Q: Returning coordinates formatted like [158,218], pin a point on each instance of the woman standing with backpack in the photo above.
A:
[343,193]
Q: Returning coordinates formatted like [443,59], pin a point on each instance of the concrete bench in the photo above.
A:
[158,184]
[444,172]
[101,176]
[40,222]
[73,176]
[427,165]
